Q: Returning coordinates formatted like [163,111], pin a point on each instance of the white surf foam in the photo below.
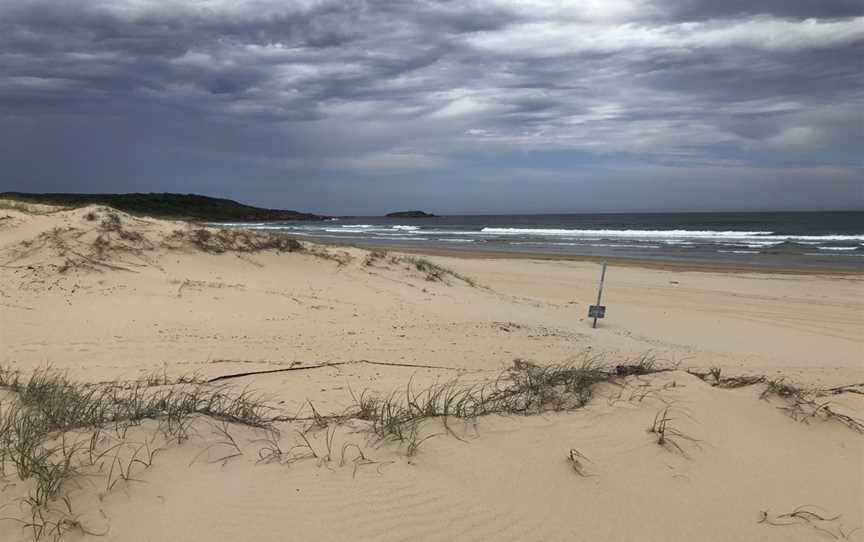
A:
[765,236]
[628,233]
[620,245]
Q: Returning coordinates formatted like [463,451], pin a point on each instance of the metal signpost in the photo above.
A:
[598,310]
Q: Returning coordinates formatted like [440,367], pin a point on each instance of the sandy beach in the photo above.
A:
[112,300]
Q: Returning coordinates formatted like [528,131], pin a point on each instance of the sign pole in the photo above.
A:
[600,292]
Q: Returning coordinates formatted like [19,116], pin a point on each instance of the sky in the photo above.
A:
[473,106]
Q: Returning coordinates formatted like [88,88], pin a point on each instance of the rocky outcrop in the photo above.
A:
[410,214]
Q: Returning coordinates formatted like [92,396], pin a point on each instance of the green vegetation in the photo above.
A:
[525,388]
[30,208]
[231,240]
[432,271]
[174,206]
[52,430]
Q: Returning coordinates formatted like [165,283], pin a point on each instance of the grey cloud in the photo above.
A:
[801,9]
[294,89]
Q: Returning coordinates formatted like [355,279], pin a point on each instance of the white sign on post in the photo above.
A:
[598,310]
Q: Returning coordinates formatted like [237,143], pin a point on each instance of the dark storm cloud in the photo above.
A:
[802,9]
[126,94]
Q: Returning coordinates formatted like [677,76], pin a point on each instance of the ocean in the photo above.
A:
[782,239]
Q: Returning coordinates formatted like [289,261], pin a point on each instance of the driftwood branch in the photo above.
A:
[321,366]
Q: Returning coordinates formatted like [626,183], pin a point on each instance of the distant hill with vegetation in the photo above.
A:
[166,205]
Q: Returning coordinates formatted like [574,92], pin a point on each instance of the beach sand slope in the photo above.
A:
[109,299]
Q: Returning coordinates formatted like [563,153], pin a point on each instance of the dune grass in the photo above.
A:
[29,208]
[51,429]
[811,516]
[527,388]
[524,389]
[799,403]
[432,272]
[669,436]
[804,405]
[219,241]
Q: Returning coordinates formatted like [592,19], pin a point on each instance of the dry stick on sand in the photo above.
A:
[319,366]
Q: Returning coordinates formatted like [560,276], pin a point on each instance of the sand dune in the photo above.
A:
[109,298]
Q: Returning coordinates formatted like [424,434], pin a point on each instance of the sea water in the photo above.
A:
[782,239]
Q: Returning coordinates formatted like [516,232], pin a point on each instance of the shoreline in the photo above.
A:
[621,261]
[779,242]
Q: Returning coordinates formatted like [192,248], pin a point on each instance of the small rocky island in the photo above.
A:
[410,214]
